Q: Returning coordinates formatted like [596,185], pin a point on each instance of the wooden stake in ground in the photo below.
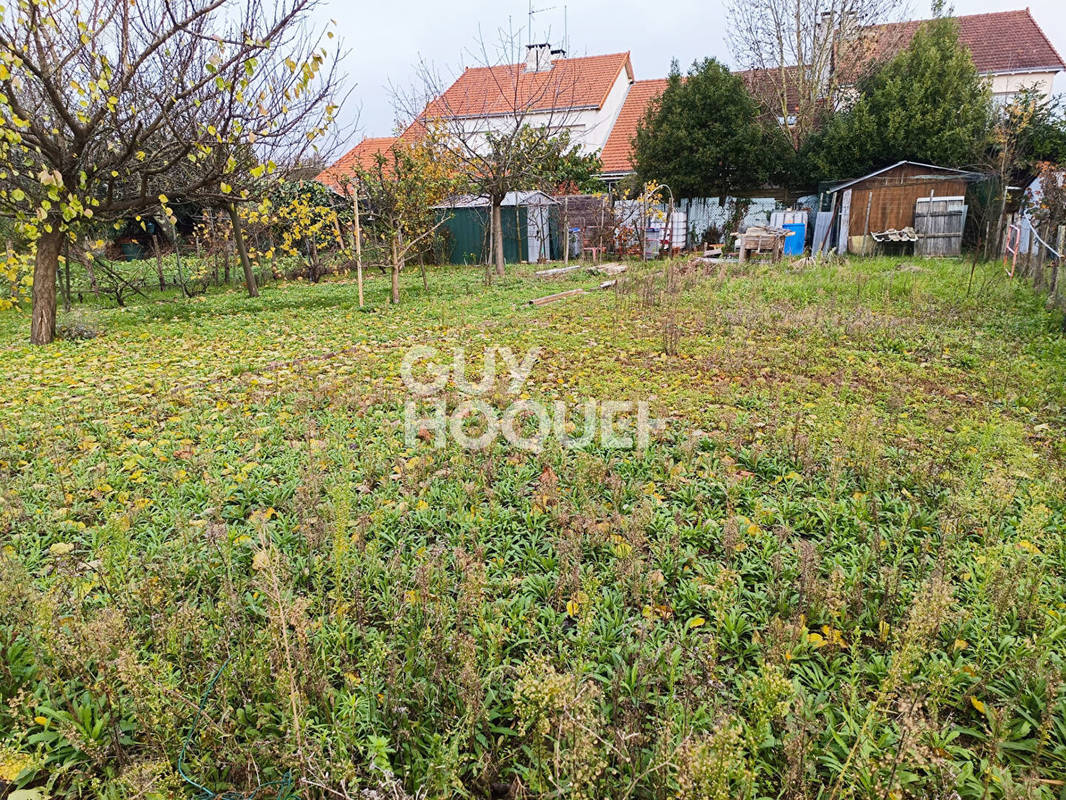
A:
[158,262]
[358,246]
[394,295]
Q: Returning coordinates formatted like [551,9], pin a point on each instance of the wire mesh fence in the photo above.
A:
[1035,253]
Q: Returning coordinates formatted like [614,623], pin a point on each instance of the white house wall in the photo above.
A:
[1005,86]
[602,122]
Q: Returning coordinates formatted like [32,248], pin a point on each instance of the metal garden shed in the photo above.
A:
[530,230]
[924,203]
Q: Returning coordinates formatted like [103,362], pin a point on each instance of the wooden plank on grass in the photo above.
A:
[551,273]
[551,298]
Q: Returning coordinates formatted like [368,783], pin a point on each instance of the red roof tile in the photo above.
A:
[361,156]
[570,83]
[1004,41]
[617,154]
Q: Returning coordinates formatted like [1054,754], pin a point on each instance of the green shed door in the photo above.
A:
[465,230]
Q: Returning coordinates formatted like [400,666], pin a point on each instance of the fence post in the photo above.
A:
[1030,240]
[1060,243]
[566,231]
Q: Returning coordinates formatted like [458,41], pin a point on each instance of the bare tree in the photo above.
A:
[802,56]
[401,186]
[505,121]
[115,109]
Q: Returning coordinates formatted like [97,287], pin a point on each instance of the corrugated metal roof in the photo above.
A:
[533,198]
[949,170]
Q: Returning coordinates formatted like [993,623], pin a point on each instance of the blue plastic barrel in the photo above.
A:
[795,244]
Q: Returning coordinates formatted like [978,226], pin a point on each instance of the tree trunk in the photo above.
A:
[497,237]
[45,267]
[339,233]
[238,238]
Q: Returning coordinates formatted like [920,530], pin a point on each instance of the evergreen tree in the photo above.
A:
[927,104]
[704,136]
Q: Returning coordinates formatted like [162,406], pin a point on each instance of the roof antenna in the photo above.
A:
[566,31]
[533,11]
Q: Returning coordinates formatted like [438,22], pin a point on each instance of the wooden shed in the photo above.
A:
[926,202]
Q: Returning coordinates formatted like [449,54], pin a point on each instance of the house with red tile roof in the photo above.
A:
[361,156]
[580,95]
[1009,49]
[597,99]
[617,154]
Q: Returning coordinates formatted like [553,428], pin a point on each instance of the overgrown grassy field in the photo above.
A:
[837,572]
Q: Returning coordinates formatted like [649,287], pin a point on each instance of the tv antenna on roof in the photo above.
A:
[532,12]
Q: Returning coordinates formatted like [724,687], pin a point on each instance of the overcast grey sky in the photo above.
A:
[386,38]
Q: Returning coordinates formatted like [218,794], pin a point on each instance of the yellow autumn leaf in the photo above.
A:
[61,549]
[833,636]
[980,706]
[815,640]
[695,622]
[11,766]
[960,644]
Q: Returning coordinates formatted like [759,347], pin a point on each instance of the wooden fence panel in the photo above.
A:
[845,217]
[939,223]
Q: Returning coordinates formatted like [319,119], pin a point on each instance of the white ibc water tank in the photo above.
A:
[679,229]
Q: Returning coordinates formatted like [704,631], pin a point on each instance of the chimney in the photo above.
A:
[848,29]
[538,57]
[824,28]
